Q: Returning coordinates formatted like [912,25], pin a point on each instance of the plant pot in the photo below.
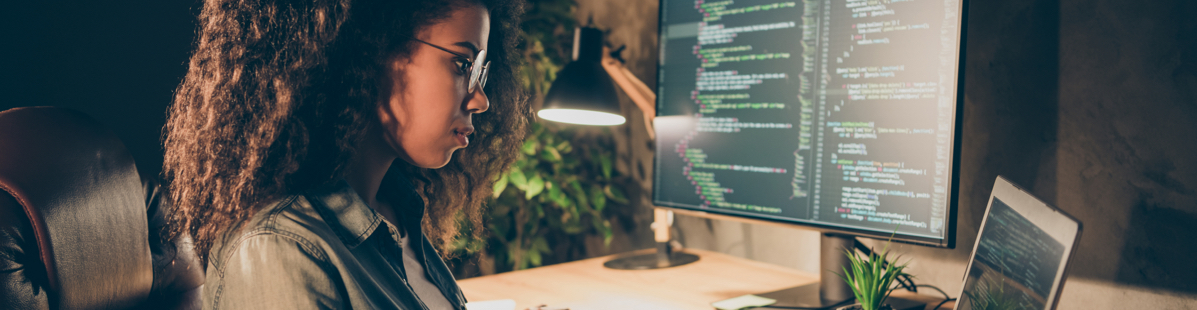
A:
[857,306]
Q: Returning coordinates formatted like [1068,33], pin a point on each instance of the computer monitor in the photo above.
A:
[838,116]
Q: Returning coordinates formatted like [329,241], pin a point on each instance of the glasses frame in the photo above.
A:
[477,73]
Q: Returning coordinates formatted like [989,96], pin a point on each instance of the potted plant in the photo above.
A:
[871,278]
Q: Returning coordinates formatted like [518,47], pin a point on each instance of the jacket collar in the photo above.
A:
[354,221]
[345,212]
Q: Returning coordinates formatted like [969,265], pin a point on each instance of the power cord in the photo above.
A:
[945,295]
[943,302]
[946,298]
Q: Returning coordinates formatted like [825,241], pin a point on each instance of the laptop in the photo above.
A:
[1021,255]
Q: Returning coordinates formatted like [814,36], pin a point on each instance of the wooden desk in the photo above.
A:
[587,285]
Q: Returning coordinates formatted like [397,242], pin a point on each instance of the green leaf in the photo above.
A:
[605,162]
[583,198]
[533,258]
[604,228]
[554,192]
[518,179]
[564,147]
[615,194]
[535,186]
[529,147]
[500,185]
[572,227]
[550,155]
[536,214]
[563,198]
[597,198]
[541,245]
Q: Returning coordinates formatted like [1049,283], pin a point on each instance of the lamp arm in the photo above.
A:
[646,100]
[640,94]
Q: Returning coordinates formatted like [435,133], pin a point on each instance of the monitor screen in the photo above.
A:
[839,115]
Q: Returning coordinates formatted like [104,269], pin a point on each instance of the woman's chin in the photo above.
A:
[430,160]
[437,163]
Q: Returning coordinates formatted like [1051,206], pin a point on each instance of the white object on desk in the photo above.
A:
[500,304]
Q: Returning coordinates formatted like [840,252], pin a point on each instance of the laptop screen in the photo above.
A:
[1015,263]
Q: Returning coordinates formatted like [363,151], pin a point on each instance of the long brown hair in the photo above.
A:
[278,94]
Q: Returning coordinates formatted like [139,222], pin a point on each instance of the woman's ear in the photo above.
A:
[390,93]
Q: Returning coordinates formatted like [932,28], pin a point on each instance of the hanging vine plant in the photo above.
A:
[558,193]
[563,188]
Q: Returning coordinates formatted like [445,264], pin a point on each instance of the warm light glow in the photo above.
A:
[581,117]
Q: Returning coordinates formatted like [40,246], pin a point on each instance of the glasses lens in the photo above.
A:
[485,73]
[476,71]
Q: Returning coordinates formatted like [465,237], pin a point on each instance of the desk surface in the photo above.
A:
[587,285]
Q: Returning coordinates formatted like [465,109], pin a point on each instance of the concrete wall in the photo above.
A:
[1089,104]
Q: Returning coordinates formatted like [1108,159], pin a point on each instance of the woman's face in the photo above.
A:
[427,114]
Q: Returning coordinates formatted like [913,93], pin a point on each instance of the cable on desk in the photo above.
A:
[943,302]
[945,295]
[946,298]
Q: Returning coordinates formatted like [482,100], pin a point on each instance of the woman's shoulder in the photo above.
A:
[288,224]
[279,259]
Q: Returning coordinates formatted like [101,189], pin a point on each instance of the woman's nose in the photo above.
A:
[478,102]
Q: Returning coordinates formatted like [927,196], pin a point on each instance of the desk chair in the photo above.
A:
[75,231]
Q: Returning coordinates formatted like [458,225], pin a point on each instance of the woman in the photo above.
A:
[312,147]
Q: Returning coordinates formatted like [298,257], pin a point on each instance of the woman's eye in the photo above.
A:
[463,66]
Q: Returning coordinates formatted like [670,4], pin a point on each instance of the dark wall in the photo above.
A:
[116,61]
[1127,155]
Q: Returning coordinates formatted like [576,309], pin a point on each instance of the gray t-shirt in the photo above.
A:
[425,290]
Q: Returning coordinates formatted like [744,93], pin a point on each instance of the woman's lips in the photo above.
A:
[462,138]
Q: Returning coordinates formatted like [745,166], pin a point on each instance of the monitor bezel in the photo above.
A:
[949,239]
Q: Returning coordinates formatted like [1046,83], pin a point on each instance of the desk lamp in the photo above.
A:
[583,94]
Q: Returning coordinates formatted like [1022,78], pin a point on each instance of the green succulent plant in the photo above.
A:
[870,277]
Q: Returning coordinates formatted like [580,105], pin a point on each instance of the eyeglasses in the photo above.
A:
[477,73]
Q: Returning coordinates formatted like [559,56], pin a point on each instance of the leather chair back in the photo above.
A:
[81,192]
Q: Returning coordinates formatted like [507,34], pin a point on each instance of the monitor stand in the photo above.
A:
[831,291]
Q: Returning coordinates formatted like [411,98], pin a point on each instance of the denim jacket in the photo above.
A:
[325,249]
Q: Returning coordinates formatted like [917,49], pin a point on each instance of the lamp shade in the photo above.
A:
[583,92]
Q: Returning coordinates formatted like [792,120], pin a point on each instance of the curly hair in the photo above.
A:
[279,93]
